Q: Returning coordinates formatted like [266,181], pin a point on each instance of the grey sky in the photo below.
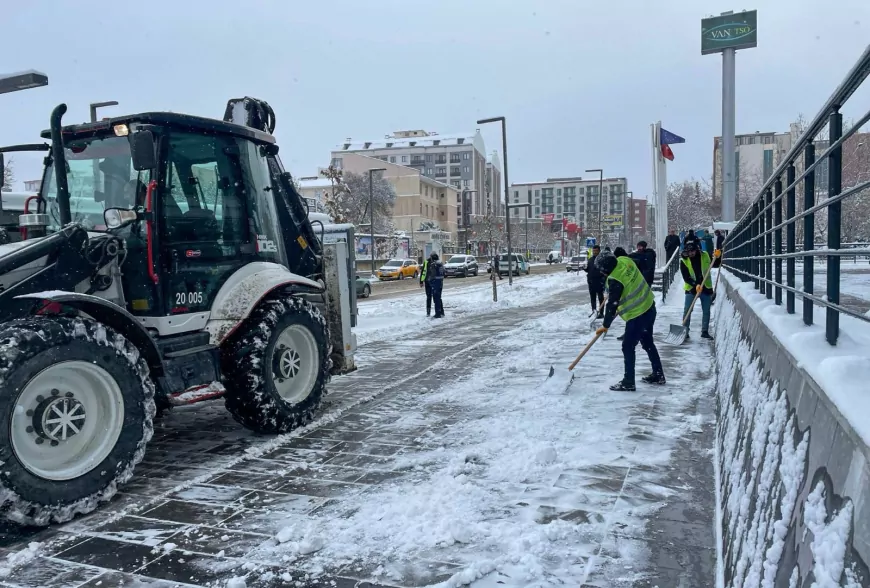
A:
[578,80]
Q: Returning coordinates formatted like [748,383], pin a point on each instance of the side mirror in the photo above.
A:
[115,218]
[142,150]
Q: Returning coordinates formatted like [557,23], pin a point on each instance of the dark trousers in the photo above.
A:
[437,286]
[705,300]
[640,330]
[669,253]
[596,295]
[428,286]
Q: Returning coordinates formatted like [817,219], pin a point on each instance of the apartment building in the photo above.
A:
[313,189]
[757,155]
[574,198]
[637,219]
[458,160]
[421,201]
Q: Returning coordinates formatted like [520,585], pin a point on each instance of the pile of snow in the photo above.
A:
[386,319]
[19,558]
[842,371]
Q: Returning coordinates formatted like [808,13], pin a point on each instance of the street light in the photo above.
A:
[372,212]
[600,194]
[466,214]
[23,80]
[96,105]
[527,205]
[501,119]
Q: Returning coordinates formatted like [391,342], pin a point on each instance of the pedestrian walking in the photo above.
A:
[630,298]
[435,275]
[495,270]
[595,282]
[693,266]
[425,283]
[672,243]
[692,238]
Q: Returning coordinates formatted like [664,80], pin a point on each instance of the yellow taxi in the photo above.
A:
[398,269]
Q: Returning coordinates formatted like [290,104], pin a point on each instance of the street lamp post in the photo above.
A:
[372,212]
[96,105]
[600,195]
[501,119]
[22,81]
[626,215]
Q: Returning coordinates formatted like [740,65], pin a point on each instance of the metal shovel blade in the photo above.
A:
[677,335]
[558,384]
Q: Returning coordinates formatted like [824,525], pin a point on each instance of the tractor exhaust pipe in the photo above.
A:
[59,157]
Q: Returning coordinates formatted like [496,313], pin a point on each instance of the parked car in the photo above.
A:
[398,269]
[461,265]
[363,287]
[519,265]
[554,257]
[576,263]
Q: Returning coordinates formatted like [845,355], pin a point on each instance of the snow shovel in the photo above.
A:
[678,333]
[582,353]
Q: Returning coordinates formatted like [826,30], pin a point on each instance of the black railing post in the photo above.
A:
[809,229]
[768,242]
[789,238]
[753,244]
[835,185]
[777,239]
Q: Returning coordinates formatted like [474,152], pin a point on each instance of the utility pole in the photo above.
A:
[372,213]
[503,122]
[600,198]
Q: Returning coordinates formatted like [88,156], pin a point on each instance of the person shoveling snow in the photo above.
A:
[630,297]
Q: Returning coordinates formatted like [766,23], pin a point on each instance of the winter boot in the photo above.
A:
[621,337]
[687,337]
[601,315]
[706,335]
[655,378]
[623,387]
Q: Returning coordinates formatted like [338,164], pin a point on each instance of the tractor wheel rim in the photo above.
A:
[67,420]
[295,364]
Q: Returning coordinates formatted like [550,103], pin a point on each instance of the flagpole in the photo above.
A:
[662,178]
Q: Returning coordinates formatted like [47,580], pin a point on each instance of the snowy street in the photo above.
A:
[447,459]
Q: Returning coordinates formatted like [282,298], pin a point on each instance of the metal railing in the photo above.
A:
[669,272]
[756,248]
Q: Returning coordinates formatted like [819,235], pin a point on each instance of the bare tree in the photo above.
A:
[349,200]
[690,205]
[8,175]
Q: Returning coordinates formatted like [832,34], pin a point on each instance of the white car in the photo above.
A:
[554,257]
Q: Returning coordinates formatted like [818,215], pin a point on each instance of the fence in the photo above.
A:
[669,272]
[755,249]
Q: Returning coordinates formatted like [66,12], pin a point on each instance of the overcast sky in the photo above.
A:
[578,80]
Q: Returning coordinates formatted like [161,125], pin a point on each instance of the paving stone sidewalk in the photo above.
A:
[200,506]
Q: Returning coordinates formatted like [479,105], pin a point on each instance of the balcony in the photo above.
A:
[415,161]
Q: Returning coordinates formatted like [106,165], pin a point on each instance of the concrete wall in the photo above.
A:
[794,478]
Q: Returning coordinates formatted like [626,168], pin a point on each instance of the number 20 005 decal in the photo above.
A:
[188,298]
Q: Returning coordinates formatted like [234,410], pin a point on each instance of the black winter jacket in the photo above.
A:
[593,274]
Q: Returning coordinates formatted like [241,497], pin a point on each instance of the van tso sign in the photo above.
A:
[729,31]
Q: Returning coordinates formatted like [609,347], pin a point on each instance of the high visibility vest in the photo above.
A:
[637,298]
[705,265]
[425,268]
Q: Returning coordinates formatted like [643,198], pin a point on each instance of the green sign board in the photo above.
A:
[729,31]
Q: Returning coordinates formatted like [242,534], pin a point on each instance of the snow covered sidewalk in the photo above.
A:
[438,470]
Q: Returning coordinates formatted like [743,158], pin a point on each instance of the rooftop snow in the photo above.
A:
[318,183]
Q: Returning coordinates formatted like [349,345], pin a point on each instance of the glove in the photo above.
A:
[699,288]
[422,284]
[717,253]
[600,330]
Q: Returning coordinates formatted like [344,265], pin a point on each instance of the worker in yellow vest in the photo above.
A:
[630,298]
[694,265]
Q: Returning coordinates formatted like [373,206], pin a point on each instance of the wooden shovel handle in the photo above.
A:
[585,349]
[697,294]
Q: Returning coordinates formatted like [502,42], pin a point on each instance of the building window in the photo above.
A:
[454,170]
[537,194]
[466,183]
[466,169]
[336,162]
[454,158]
[558,191]
[392,159]
[537,211]
[404,159]
[516,195]
[456,184]
[429,171]
[440,172]
[428,157]
[466,156]
[441,159]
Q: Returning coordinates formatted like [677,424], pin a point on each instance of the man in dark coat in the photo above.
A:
[425,282]
[649,266]
[691,237]
[672,243]
[595,282]
[435,276]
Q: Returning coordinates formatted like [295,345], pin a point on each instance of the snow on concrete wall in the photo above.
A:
[794,477]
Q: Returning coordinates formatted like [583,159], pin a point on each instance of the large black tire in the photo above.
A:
[247,362]
[367,291]
[44,346]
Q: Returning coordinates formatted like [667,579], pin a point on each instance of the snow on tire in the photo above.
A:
[76,411]
[277,366]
